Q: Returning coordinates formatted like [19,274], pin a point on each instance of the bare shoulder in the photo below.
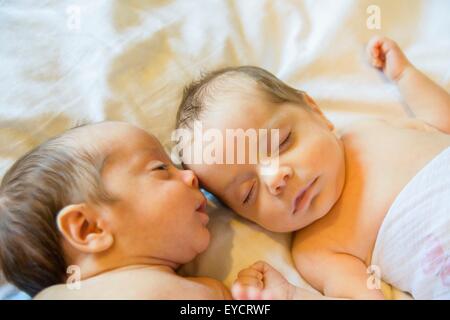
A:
[214,289]
[376,124]
[139,285]
[309,260]
[56,292]
[311,243]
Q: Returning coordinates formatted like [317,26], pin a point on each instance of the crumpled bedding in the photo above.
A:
[65,62]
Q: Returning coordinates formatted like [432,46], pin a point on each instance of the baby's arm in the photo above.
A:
[336,275]
[344,278]
[261,281]
[427,101]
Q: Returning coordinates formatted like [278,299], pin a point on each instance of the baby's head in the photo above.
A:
[100,196]
[310,174]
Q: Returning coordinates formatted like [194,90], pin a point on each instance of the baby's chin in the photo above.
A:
[281,227]
[320,206]
[194,246]
[204,241]
[298,222]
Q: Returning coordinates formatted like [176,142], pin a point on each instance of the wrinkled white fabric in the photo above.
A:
[62,62]
[412,249]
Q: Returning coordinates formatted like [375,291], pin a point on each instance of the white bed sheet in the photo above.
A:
[62,62]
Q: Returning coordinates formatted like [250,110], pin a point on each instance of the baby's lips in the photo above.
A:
[202,206]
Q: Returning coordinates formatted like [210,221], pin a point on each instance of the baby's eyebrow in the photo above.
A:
[274,120]
[144,154]
[231,183]
[106,159]
[236,179]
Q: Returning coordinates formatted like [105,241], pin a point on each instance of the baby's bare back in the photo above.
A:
[381,158]
[138,284]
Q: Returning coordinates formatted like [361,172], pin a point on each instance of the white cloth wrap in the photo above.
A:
[412,250]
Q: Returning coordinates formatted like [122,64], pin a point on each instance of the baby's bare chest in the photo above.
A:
[379,164]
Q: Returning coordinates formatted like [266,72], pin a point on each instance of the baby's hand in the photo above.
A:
[386,55]
[261,281]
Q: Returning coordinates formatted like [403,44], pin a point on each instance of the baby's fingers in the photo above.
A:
[376,52]
[378,63]
[373,47]
[250,272]
[250,282]
[240,292]
[251,277]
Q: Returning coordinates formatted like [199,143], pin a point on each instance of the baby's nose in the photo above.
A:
[278,181]
[190,178]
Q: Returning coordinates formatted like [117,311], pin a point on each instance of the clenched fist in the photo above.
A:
[386,55]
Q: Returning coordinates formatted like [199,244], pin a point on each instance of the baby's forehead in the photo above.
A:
[238,97]
[120,142]
[231,86]
[250,112]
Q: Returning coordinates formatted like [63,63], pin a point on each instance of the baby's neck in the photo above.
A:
[93,266]
[112,283]
[153,267]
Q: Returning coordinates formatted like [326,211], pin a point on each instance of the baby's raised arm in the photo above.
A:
[427,101]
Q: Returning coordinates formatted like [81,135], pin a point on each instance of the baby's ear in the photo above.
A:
[315,108]
[81,227]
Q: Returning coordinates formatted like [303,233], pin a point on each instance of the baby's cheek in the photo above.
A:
[321,149]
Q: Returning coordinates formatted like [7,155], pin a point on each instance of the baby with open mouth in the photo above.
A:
[100,212]
[332,188]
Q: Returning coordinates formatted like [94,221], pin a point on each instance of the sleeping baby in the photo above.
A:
[367,201]
[100,212]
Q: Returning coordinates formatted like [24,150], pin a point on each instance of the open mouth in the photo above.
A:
[201,206]
[201,209]
[303,198]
